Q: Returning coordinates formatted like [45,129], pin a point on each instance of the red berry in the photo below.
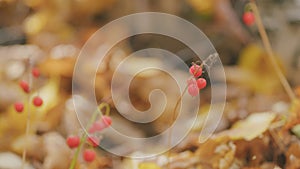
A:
[37,101]
[94,141]
[248,18]
[19,107]
[92,130]
[24,85]
[196,70]
[89,155]
[35,72]
[99,125]
[73,141]
[193,89]
[201,83]
[191,81]
[106,120]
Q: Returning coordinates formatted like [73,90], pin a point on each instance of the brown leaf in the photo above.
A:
[293,156]
[250,128]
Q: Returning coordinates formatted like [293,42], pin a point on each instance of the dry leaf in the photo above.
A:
[57,152]
[293,156]
[9,160]
[33,146]
[296,130]
[250,128]
[217,152]
[148,165]
[254,60]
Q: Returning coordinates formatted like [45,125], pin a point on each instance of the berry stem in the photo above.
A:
[209,58]
[171,129]
[28,124]
[267,45]
[85,135]
[82,140]
[28,119]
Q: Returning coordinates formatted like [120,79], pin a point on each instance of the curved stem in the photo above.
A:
[210,57]
[85,135]
[271,56]
[171,129]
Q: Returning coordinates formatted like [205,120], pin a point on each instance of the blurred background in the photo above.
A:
[51,33]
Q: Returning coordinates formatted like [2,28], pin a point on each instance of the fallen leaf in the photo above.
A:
[253,126]
[57,152]
[33,146]
[148,165]
[10,160]
[296,130]
[293,156]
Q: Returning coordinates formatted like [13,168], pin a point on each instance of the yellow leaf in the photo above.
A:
[250,128]
[49,94]
[204,7]
[35,23]
[148,165]
[261,75]
[296,130]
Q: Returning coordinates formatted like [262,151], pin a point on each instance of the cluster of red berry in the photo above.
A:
[37,100]
[89,154]
[194,84]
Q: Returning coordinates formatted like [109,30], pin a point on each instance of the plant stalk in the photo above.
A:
[174,111]
[271,56]
[85,135]
[28,119]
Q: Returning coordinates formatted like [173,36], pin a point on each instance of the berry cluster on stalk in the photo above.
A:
[24,85]
[196,83]
[77,142]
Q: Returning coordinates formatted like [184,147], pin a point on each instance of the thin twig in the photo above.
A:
[271,56]
[171,129]
[28,118]
[210,58]
[277,140]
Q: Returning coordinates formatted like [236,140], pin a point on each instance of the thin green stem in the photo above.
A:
[85,135]
[28,119]
[74,160]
